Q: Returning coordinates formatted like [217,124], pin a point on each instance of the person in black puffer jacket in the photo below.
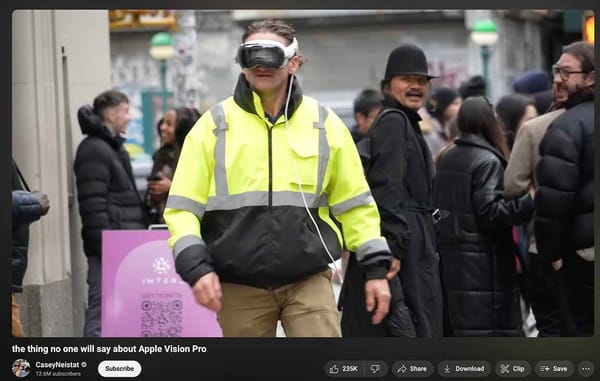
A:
[564,201]
[475,241]
[27,207]
[106,191]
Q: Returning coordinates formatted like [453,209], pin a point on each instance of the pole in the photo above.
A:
[485,55]
[163,85]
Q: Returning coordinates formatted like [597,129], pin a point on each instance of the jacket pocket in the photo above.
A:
[305,156]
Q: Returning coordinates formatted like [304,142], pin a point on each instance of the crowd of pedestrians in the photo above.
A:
[455,216]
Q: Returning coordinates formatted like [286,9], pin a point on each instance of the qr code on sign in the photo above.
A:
[162,318]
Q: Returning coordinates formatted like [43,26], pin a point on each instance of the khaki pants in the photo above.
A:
[17,327]
[306,309]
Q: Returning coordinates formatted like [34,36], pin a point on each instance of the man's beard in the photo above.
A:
[580,94]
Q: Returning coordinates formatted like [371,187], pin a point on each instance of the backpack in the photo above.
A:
[364,145]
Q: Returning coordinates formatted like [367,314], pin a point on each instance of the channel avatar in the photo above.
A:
[21,368]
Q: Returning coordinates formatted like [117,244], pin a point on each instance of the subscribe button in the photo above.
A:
[119,368]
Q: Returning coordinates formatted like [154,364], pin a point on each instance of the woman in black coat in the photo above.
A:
[475,243]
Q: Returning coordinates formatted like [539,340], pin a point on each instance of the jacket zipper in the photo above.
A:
[271,219]
[270,197]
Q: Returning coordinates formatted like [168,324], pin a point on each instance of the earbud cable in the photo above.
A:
[287,102]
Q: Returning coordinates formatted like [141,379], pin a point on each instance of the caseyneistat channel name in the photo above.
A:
[57,364]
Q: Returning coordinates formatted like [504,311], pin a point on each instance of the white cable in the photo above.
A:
[287,130]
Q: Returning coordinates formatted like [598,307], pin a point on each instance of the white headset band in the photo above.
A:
[289,50]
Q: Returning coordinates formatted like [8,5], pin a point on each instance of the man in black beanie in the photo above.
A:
[472,87]
[399,169]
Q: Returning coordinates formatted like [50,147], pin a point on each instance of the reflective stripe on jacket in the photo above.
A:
[236,202]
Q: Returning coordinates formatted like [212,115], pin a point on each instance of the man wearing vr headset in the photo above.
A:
[249,208]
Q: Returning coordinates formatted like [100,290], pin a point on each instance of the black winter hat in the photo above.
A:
[474,86]
[407,60]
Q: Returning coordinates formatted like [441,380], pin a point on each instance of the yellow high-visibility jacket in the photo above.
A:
[236,202]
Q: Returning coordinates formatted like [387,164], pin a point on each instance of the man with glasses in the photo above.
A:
[543,283]
[564,200]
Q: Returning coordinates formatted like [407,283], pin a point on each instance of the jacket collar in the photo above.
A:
[413,116]
[249,100]
[470,139]
[91,124]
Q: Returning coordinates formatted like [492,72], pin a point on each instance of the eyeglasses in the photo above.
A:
[564,73]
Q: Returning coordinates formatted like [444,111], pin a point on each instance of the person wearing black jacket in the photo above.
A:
[27,207]
[163,167]
[564,201]
[475,241]
[173,129]
[399,169]
[106,191]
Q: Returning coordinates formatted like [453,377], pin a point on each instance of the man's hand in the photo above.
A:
[394,268]
[43,200]
[557,265]
[377,295]
[207,291]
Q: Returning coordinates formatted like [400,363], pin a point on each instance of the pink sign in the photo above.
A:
[142,295]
